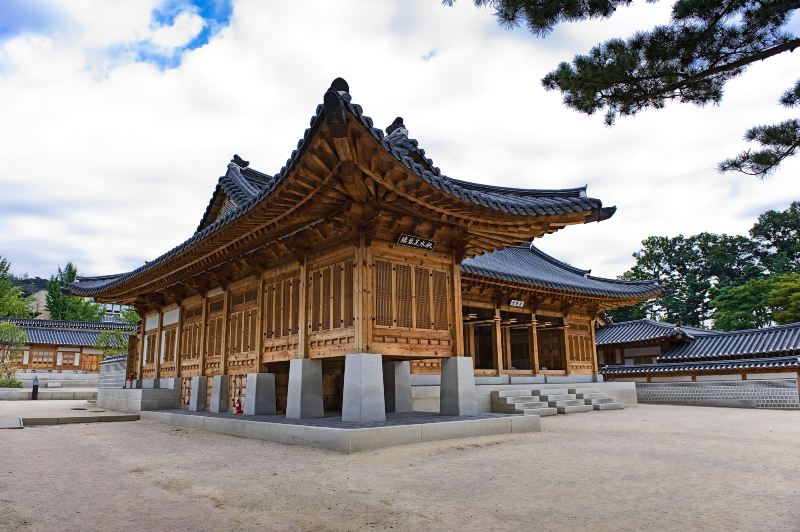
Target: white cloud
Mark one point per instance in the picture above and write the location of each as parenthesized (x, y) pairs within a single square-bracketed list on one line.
[(186, 27), (126, 161)]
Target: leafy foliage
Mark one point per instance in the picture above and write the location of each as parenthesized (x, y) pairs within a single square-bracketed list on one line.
[(9, 382), (131, 316), (112, 343), (706, 44), (734, 281), (66, 307), (12, 340), (12, 304)]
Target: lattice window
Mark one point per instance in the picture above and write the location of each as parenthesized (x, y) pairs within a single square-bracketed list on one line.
[(190, 333), (170, 338), (67, 359), (150, 342), (405, 295), (440, 298), (332, 296), (281, 300), (42, 359), (409, 297), (242, 320), (214, 330), (422, 278), (383, 293)]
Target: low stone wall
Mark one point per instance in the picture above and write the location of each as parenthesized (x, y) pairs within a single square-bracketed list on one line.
[(137, 400), (774, 393), (112, 372), (57, 380)]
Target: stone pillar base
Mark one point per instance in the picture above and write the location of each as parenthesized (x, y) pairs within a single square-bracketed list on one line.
[(259, 396), (197, 397), (363, 398), (304, 398), (457, 393), (397, 386), (219, 394)]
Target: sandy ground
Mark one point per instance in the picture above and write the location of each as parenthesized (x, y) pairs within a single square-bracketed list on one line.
[(650, 467), (54, 408)]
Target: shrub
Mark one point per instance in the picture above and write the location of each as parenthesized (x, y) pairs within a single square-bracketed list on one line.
[(9, 382)]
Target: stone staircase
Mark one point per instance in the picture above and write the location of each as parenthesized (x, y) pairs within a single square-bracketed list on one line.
[(551, 401)]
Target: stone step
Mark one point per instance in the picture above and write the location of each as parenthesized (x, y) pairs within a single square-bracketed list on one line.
[(511, 393), (567, 402), (599, 401), (544, 411), (559, 397), (569, 409), (550, 391), (517, 407), (521, 399), (584, 390), (592, 395), (609, 406)]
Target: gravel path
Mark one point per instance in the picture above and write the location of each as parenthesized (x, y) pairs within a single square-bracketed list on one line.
[(650, 467)]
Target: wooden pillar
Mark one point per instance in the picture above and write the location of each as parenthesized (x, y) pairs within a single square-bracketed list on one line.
[(567, 347), (506, 335), (458, 318), (497, 344), (302, 311), (157, 354), (534, 340), (592, 321), (140, 347), (223, 362), (362, 290), (203, 327), (178, 338), (287, 315)]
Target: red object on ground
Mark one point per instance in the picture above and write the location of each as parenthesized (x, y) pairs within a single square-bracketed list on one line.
[(238, 410)]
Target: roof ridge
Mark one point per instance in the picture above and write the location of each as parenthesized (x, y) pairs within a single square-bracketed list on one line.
[(69, 324), (580, 271), (762, 330)]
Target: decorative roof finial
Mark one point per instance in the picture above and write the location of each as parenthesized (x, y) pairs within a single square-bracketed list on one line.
[(398, 126), (239, 161), (340, 85)]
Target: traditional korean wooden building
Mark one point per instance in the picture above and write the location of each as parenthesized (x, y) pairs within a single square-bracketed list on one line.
[(64, 346), (361, 245)]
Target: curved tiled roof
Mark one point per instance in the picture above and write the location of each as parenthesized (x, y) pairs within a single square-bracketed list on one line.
[(770, 341), (532, 267), (67, 333), (337, 103), (645, 330), (776, 363)]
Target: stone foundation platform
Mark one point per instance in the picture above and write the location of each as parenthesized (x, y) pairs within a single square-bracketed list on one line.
[(333, 434)]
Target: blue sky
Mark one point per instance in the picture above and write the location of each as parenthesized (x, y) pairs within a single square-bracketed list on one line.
[(120, 117)]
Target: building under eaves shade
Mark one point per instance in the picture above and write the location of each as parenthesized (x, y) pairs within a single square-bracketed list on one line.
[(360, 245)]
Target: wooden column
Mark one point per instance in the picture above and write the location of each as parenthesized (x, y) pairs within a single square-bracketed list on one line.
[(362, 290), (140, 348), (497, 344), (534, 340), (203, 327), (594, 345), (506, 335), (259, 347), (157, 354), (458, 318), (178, 336), (223, 359), (302, 311), (567, 348)]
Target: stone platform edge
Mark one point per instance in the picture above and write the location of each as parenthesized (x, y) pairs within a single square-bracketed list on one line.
[(346, 440), (67, 420)]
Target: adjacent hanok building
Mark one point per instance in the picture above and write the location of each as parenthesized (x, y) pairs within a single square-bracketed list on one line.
[(681, 364), (359, 252), (64, 346)]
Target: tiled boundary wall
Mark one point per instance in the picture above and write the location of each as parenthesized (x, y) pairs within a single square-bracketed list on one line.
[(771, 393)]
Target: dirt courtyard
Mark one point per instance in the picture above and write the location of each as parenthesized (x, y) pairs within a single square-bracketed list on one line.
[(648, 467)]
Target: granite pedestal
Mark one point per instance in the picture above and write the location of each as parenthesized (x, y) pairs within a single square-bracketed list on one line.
[(259, 396), (219, 394), (197, 396), (457, 394), (304, 397), (362, 399), (397, 386)]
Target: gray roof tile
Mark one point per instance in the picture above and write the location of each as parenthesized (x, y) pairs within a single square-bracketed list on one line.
[(643, 370), (67, 333)]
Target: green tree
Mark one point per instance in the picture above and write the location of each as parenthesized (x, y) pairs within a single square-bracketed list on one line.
[(12, 340), (12, 304), (785, 299), (66, 307), (777, 237), (689, 268), (131, 316), (706, 44), (745, 306), (112, 343)]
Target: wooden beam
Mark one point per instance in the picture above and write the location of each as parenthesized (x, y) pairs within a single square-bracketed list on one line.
[(497, 344), (302, 311)]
